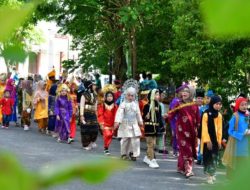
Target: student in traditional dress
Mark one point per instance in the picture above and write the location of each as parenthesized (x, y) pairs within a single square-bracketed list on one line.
[(2, 88), (128, 119), (52, 115), (188, 119), (88, 117), (7, 104), (211, 137), (27, 100), (41, 106), (106, 117), (63, 112)]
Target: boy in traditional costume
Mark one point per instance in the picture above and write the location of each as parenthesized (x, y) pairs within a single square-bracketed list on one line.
[(128, 118)]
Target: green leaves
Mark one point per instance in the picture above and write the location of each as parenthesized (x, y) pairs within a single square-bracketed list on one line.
[(12, 17), (227, 18), (13, 176)]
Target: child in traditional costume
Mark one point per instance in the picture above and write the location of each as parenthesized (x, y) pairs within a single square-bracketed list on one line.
[(211, 137), (128, 118), (10, 86), (52, 115), (73, 97), (153, 124), (88, 109), (27, 99), (41, 106), (237, 149), (188, 119), (106, 112), (63, 112), (7, 104), (2, 87)]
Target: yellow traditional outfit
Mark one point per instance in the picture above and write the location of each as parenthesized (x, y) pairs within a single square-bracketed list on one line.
[(41, 106), (49, 81)]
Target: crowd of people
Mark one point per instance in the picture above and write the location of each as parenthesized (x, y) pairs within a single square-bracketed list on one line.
[(132, 111)]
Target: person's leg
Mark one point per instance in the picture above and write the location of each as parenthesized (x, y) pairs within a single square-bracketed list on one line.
[(135, 143), (150, 147), (73, 127), (124, 146)]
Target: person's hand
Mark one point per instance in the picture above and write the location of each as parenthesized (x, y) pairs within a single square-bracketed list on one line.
[(82, 119), (209, 145), (116, 125), (219, 146), (58, 117)]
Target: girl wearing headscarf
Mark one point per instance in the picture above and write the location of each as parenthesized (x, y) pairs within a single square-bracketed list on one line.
[(153, 124), (188, 119), (10, 86), (127, 120), (211, 137), (63, 112), (88, 118), (52, 116), (73, 96), (239, 133), (41, 106), (27, 98), (106, 117)]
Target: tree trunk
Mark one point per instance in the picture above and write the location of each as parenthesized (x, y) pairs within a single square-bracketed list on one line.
[(133, 52), (120, 65)]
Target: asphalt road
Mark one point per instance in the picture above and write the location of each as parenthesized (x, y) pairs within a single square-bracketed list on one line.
[(36, 151)]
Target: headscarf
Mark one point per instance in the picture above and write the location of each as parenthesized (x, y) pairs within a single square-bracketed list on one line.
[(27, 86), (191, 91), (238, 102), (40, 93), (11, 88), (153, 103), (106, 96)]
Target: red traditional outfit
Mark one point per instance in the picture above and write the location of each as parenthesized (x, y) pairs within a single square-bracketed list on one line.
[(106, 118), (188, 119), (73, 97)]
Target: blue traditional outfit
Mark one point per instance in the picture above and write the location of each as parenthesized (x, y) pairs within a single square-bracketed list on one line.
[(52, 101)]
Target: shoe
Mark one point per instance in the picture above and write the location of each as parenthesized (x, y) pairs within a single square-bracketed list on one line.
[(124, 157), (214, 178), (106, 152), (133, 158), (93, 145), (70, 140), (59, 140), (210, 180), (3, 127), (54, 135), (89, 147), (146, 160), (189, 174), (153, 164), (163, 151), (175, 154), (26, 128)]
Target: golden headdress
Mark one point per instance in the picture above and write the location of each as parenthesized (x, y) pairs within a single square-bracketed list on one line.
[(52, 73), (109, 88)]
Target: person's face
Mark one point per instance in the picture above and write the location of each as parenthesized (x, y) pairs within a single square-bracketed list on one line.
[(94, 87), (110, 98), (185, 94), (199, 101), (7, 94), (243, 106), (208, 99), (64, 92), (130, 97), (217, 106), (157, 96)]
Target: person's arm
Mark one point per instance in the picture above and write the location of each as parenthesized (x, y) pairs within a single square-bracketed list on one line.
[(205, 135), (138, 115), (119, 115), (235, 133), (82, 105)]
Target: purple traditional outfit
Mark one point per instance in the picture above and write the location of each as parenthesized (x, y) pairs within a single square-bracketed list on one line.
[(63, 109), (10, 86), (188, 119), (173, 103)]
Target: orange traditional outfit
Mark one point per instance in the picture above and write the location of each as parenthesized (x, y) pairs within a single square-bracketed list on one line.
[(49, 81)]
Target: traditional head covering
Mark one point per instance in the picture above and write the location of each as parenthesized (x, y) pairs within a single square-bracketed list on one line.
[(191, 92), (41, 93), (238, 102), (151, 97), (130, 90), (27, 86), (52, 73), (200, 93), (184, 85), (145, 92), (63, 87), (11, 87), (210, 93)]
